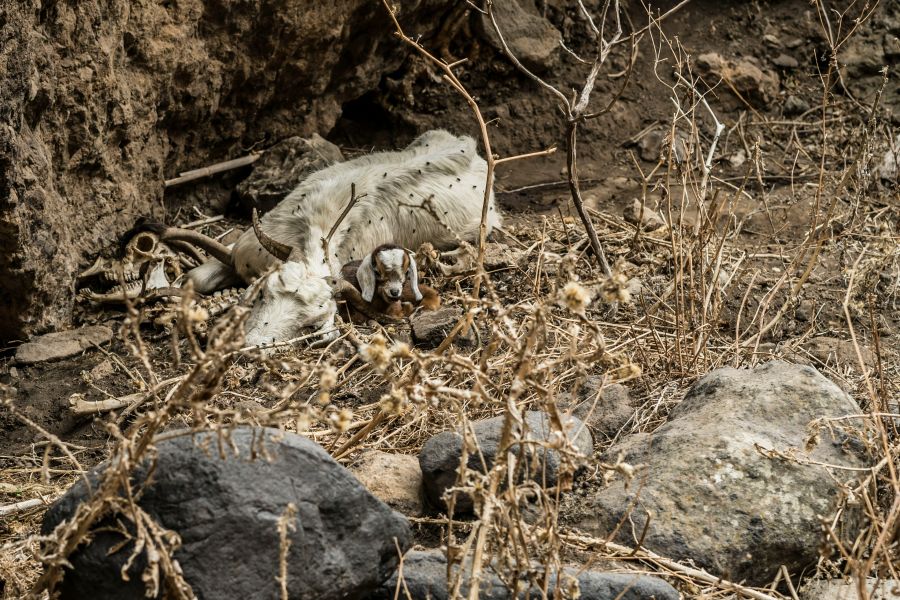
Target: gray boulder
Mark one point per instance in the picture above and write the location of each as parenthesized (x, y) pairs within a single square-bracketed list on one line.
[(425, 576), (713, 496), (440, 456), (226, 512), (283, 167)]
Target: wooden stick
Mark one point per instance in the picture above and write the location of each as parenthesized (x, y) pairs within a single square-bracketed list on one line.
[(20, 506), (81, 407), (221, 167), (326, 241), (202, 222)]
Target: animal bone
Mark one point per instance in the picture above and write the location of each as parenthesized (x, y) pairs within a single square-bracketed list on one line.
[(147, 264)]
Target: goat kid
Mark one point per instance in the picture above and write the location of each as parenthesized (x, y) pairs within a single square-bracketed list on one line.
[(386, 284), (432, 191)]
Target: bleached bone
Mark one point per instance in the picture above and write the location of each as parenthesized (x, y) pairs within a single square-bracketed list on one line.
[(437, 167)]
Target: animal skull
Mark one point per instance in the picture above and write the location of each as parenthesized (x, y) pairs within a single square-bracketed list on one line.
[(147, 264)]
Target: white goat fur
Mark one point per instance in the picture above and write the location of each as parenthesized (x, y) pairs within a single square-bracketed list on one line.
[(437, 165)]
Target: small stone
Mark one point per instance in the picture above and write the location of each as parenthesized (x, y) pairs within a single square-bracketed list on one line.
[(805, 311), (605, 408), (785, 61), (62, 344), (102, 370), (648, 218), (737, 159), (846, 589), (756, 86), (425, 578), (500, 256), (395, 479), (530, 37), (795, 106), (440, 456), (793, 43), (430, 327), (772, 40), (831, 350), (13, 373)]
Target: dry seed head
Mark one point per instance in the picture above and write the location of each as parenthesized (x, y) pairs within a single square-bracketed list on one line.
[(377, 353), (393, 403), (615, 289), (341, 419), (575, 297), (196, 314), (328, 378), (401, 350)]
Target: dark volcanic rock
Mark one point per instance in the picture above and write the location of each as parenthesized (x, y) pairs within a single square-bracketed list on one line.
[(715, 498), (226, 512), (440, 456), (283, 167), (425, 576)]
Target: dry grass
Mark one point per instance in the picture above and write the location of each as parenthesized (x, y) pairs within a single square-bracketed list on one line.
[(545, 324)]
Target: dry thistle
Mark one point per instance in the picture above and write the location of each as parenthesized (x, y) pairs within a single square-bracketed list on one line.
[(341, 419), (575, 297), (327, 380), (614, 289), (376, 353)]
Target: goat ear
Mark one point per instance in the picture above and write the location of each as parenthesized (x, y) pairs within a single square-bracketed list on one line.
[(412, 275), (365, 275)]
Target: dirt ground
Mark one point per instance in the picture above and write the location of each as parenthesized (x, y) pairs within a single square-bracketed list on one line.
[(779, 213)]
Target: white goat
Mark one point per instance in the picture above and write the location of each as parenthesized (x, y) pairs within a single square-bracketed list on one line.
[(432, 191)]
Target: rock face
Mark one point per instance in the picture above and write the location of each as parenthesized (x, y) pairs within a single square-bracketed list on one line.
[(226, 512), (714, 498), (440, 456), (101, 100), (395, 479), (62, 344), (283, 167), (425, 576)]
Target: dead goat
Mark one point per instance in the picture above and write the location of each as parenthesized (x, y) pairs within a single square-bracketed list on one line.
[(432, 191), (386, 284)]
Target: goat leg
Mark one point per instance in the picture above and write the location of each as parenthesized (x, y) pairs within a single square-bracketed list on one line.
[(345, 291)]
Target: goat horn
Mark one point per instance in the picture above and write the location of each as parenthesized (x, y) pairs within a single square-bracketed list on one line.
[(214, 248), (273, 247)]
